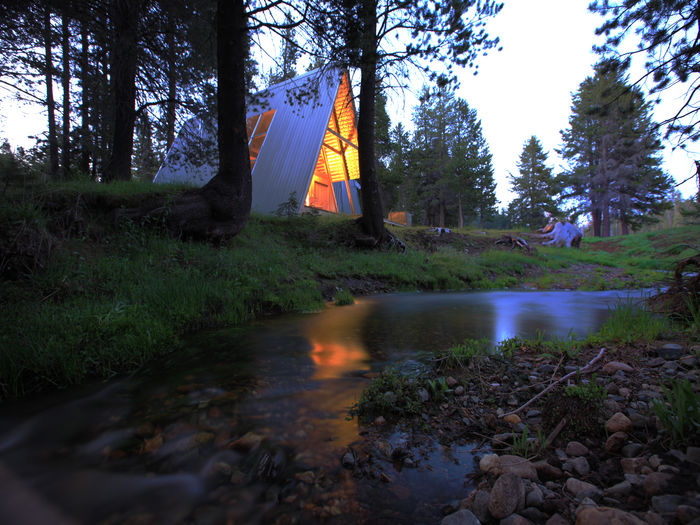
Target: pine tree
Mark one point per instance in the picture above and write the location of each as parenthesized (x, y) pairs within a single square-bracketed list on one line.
[(535, 186), (613, 151)]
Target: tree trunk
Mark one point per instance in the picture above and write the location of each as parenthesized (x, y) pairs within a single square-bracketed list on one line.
[(441, 211), (170, 111), (596, 223), (65, 81), (50, 104), (125, 18), (230, 192), (372, 209), (460, 219), (606, 220), (85, 147), (624, 227)]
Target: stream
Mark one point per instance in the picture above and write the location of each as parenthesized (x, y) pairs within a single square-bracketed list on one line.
[(248, 425)]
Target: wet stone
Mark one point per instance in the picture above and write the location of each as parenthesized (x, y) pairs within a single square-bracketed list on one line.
[(632, 450), (461, 517), (575, 448), (656, 362), (670, 351), (606, 516), (615, 442), (618, 423), (582, 489), (515, 519), (667, 504), (657, 483), (505, 495), (687, 513)]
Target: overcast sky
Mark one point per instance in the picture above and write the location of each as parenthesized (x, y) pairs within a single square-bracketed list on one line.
[(526, 88)]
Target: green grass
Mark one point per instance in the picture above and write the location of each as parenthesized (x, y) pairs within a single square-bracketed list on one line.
[(632, 322), (679, 413), (82, 298)]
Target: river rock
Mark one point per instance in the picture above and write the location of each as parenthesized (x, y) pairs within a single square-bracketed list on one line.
[(575, 448), (687, 513), (506, 494), (667, 504), (546, 471), (478, 503), (248, 442), (535, 497), (423, 394), (619, 490), (515, 519), (616, 366), (633, 465), (512, 419), (379, 421), (451, 382), (632, 450), (670, 351), (534, 514), (516, 465), (459, 390), (348, 459), (488, 463), (615, 442), (582, 489), (657, 483), (618, 423), (578, 466), (557, 519), (606, 516), (461, 517), (692, 454)]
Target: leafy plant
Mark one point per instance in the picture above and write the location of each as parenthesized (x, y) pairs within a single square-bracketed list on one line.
[(344, 298), (527, 447), (679, 412), (437, 387), (460, 355), (390, 394), (590, 391)]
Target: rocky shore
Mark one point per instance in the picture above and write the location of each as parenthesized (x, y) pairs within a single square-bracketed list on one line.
[(590, 449)]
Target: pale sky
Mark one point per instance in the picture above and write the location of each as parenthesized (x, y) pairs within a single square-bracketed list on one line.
[(526, 88), (521, 91)]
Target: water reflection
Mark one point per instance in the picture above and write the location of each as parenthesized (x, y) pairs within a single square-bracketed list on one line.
[(337, 347), (290, 380)]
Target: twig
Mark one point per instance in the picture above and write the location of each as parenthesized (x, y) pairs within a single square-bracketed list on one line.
[(583, 370), (554, 433)]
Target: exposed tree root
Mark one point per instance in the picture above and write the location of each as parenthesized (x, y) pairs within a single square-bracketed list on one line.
[(682, 298)]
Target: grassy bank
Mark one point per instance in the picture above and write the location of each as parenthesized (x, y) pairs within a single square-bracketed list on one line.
[(84, 297)]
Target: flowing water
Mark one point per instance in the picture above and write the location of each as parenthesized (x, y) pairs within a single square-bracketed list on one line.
[(160, 446)]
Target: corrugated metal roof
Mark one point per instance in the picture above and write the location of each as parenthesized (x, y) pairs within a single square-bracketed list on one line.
[(303, 110)]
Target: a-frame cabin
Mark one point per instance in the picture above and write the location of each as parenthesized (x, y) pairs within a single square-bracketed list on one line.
[(302, 138)]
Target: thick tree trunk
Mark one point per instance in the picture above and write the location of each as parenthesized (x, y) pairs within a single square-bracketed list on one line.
[(596, 223), (229, 193), (65, 81), (85, 147), (372, 209), (50, 104), (125, 18)]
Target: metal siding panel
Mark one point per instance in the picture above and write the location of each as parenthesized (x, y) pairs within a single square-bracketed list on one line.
[(288, 155)]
